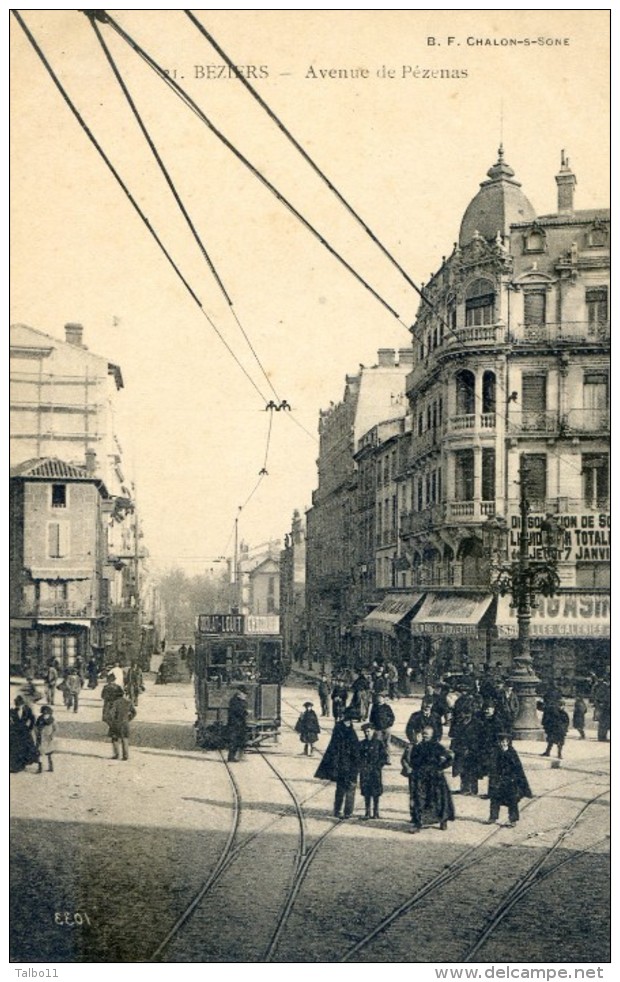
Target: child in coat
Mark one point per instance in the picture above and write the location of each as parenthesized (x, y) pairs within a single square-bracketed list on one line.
[(308, 728), (373, 758), (45, 729), (579, 716), (507, 781)]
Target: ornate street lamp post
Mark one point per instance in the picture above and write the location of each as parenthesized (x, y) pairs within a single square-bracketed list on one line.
[(524, 579)]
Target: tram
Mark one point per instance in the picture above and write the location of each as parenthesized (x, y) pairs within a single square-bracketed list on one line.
[(234, 650)]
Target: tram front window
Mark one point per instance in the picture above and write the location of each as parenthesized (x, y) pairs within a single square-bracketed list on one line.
[(271, 661)]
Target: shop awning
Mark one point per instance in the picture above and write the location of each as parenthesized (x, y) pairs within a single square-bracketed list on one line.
[(391, 612), (457, 614), (568, 615), (70, 621)]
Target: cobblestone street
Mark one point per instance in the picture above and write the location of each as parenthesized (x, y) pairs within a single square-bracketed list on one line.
[(152, 831)]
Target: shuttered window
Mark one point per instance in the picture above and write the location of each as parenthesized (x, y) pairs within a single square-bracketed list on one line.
[(536, 479), (534, 308), (534, 393), (57, 540)]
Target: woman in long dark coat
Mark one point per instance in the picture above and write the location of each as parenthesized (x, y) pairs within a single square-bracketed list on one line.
[(341, 763), (507, 781), (431, 799), (22, 749), (308, 728), (373, 758)]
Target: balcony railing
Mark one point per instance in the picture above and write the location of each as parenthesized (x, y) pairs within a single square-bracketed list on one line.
[(579, 331), (412, 522), (474, 337), (534, 421), (66, 608), (424, 442), (476, 511), (471, 421), (587, 421)]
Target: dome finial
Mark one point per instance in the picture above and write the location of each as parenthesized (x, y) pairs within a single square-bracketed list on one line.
[(500, 168)]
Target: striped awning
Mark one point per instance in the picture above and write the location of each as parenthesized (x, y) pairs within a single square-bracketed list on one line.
[(456, 614)]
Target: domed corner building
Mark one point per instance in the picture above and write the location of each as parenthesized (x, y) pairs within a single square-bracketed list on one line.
[(511, 365)]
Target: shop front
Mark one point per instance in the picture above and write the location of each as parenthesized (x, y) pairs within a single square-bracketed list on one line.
[(386, 634), (570, 636), (451, 631)]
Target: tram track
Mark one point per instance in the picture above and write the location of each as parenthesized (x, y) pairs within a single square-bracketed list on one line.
[(233, 850), (466, 860), (534, 876)]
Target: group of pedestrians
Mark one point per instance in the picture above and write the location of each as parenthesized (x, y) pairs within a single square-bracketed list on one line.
[(466, 727), (33, 738)]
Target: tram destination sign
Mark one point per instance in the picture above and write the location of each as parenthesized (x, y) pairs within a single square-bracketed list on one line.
[(238, 624)]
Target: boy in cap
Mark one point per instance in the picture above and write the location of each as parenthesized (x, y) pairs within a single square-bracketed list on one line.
[(308, 728), (373, 758), (507, 781)]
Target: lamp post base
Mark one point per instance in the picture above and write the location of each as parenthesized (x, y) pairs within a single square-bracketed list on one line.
[(527, 724)]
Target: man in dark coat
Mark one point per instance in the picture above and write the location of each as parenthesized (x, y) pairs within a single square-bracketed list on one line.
[(430, 794), (507, 781), (237, 723), (323, 690), (122, 712), (341, 763), (110, 693), (602, 704), (382, 718), (465, 746), (373, 758), (579, 716), (339, 698), (308, 728), (555, 723), (507, 707), (422, 718), (490, 729), (190, 661)]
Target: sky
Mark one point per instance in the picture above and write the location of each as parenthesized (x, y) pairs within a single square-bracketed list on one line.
[(407, 150)]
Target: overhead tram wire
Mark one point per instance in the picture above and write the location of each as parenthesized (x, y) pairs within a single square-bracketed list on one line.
[(77, 115), (315, 167), (195, 108), (91, 15), (272, 115)]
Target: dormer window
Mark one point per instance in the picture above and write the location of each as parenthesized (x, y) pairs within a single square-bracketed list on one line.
[(480, 303), (597, 235), (535, 239)]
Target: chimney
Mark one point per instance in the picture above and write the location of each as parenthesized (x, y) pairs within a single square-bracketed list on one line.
[(91, 458), (405, 356), (387, 357), (73, 334), (566, 182)]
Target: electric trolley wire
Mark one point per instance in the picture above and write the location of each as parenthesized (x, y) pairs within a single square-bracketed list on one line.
[(195, 108), (67, 99), (177, 197), (205, 33), (312, 163)]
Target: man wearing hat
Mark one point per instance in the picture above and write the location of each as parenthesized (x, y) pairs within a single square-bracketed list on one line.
[(237, 723), (341, 763), (308, 728), (110, 693), (373, 758)]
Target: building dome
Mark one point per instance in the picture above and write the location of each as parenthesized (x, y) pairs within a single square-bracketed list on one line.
[(499, 203)]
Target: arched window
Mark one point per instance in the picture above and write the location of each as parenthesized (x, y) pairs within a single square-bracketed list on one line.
[(488, 392), (465, 392), (480, 303), (475, 564)]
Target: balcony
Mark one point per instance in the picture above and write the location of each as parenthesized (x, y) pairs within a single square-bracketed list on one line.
[(65, 608), (471, 421), (412, 522), (425, 442), (482, 335), (571, 332), (536, 422), (587, 421), (470, 511)]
